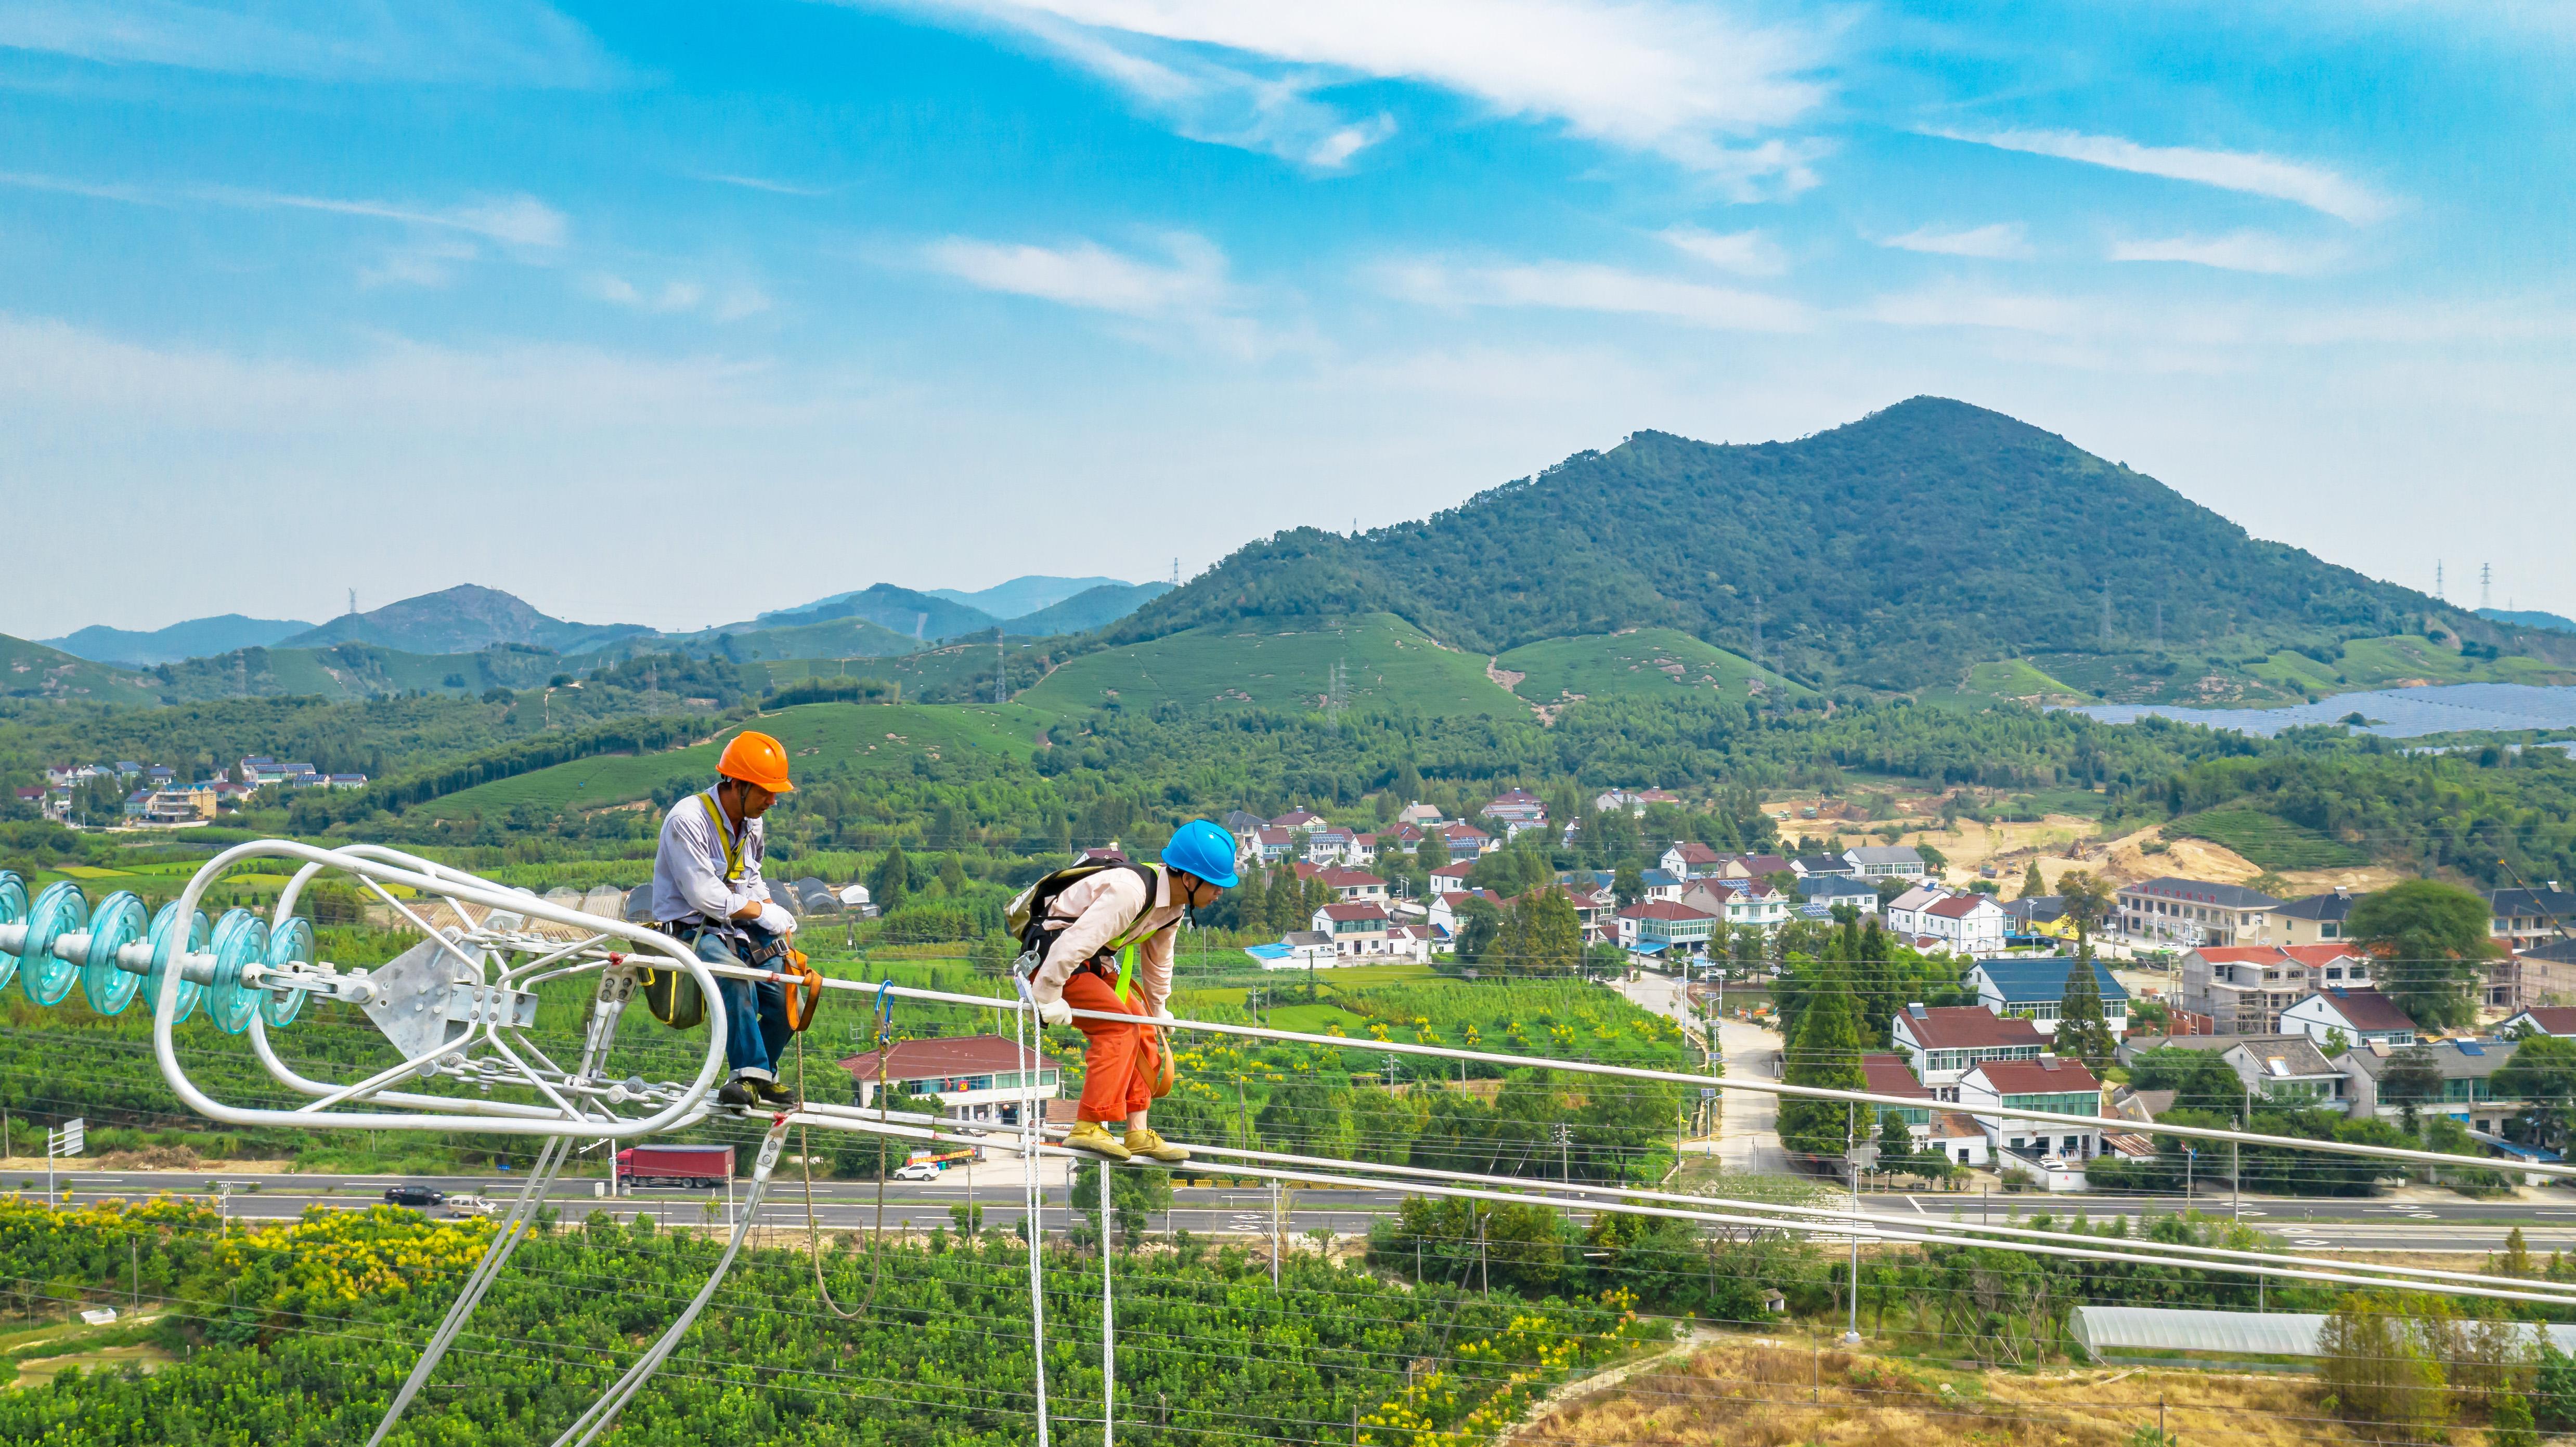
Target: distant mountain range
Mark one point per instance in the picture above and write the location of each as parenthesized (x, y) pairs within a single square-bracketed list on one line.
[(2529, 618), (196, 638), (873, 622), (1893, 552)]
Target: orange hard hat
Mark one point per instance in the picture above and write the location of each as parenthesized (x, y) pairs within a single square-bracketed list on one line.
[(756, 758)]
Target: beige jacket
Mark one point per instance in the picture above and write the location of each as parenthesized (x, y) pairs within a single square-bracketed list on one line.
[(1103, 907)]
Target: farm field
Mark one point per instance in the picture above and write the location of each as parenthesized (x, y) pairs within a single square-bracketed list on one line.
[(876, 736), (1660, 662), (1388, 661)]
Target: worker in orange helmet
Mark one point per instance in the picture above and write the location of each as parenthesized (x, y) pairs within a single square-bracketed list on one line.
[(708, 893)]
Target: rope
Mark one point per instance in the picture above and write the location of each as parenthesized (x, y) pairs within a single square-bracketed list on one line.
[(805, 1159)]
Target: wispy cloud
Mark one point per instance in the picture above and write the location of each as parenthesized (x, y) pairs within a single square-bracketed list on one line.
[(479, 42), (1746, 253), (2002, 241), (763, 183), (1680, 80), (1581, 286), (679, 297), (2250, 172), (441, 238), (2260, 252), (1191, 277)]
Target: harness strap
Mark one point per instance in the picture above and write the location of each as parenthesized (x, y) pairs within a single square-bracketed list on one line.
[(732, 844)]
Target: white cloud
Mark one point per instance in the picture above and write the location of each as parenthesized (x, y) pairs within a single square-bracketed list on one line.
[(678, 297), (1649, 75), (430, 261), (1746, 253), (2253, 173), (2256, 251), (1580, 286), (481, 42), (2002, 241), (1091, 276), (522, 221), (762, 183)]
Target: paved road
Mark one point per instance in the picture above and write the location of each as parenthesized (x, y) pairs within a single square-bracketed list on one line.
[(1748, 1134), (2362, 1225)]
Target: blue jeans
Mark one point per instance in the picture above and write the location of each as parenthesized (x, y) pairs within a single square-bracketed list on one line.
[(756, 1028)]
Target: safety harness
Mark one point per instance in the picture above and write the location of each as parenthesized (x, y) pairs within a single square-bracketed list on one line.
[(1033, 915), (673, 996)]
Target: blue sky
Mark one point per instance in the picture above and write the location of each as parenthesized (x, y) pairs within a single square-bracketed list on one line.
[(668, 314)]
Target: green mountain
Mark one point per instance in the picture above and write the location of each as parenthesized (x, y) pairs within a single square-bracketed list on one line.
[(1893, 553), (743, 643), (918, 616), (1292, 664), (34, 671), (1084, 611), (358, 671), (461, 619), (195, 638)]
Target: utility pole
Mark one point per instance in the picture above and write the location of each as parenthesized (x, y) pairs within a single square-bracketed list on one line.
[(1274, 1235), (1851, 1140)]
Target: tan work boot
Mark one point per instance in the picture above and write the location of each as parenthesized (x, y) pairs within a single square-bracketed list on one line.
[(1143, 1142), (1088, 1135)]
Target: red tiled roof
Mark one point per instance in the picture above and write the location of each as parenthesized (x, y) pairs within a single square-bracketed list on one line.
[(1694, 852), (943, 1059), (1955, 1125), (1354, 911), (2366, 1009), (1667, 909), (1960, 906), (1967, 1027), (1890, 1075), (2321, 954), (2037, 1077), (2554, 1019), (1349, 878), (1760, 864), (2239, 955)]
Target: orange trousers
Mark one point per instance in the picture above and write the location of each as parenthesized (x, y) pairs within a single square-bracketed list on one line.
[(1121, 1065)]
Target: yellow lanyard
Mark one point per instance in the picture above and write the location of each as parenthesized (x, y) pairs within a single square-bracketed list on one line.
[(731, 845), (1125, 945)]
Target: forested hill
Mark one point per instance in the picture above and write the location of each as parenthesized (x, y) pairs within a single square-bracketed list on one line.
[(1891, 552)]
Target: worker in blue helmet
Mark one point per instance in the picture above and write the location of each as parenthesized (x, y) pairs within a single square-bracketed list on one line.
[(1104, 933)]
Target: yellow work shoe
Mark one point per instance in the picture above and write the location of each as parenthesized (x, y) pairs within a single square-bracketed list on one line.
[(1141, 1142), (1087, 1135)]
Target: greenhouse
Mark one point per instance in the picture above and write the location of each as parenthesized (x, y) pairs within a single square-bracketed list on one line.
[(2101, 1330)]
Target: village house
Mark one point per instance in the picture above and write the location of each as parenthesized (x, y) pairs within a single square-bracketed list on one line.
[(2364, 1016), (1829, 890), (1742, 904), (1887, 861), (1656, 926), (974, 1077), (1353, 886), (1443, 915), (2001, 1094), (1938, 919), (2244, 988), (2316, 920), (1689, 859), (2556, 1021), (2034, 989), (2467, 1069), (2183, 913), (1942, 1042), (1883, 1074), (1633, 800)]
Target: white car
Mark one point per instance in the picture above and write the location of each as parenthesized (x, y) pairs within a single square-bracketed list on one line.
[(470, 1206), (917, 1171)]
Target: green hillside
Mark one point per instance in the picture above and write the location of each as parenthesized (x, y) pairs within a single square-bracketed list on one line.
[(1388, 662), (871, 736), (2267, 839), (828, 639), (1659, 662), (31, 670), (2011, 537), (359, 671)]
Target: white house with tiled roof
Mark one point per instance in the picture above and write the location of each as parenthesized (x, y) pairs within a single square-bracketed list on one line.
[(1943, 1042)]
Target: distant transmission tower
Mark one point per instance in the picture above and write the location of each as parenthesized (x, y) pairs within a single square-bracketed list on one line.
[(2486, 585), (2437, 581), (1176, 572), (353, 602)]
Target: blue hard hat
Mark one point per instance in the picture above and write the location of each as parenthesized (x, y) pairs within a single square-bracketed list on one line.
[(1203, 849)]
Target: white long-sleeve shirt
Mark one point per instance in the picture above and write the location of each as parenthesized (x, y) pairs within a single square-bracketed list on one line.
[(1102, 907), (689, 870)]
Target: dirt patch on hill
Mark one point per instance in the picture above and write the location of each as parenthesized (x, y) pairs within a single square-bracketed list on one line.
[(1773, 1394)]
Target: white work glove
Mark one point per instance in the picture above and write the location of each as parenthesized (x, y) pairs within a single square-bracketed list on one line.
[(1054, 1011), (775, 920)]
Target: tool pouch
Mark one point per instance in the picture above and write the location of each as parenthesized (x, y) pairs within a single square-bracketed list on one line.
[(673, 996)]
